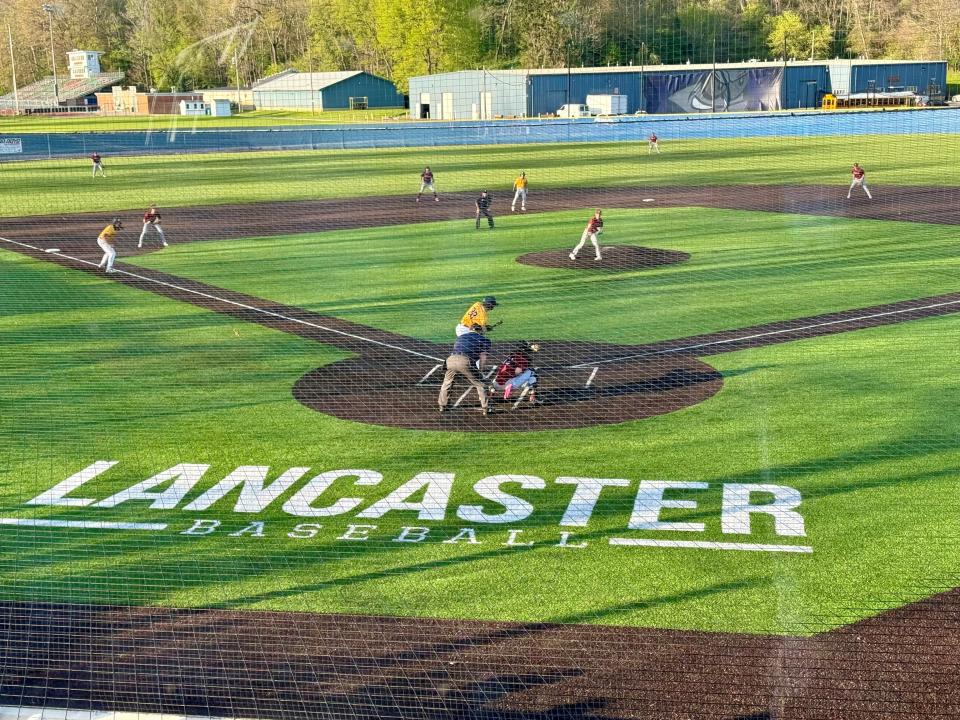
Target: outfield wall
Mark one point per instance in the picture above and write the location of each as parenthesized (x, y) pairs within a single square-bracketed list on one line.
[(621, 129)]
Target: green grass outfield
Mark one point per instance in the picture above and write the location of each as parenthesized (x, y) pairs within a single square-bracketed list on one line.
[(64, 185), (162, 123), (863, 424)]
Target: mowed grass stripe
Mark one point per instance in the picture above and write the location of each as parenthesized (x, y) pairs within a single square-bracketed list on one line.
[(64, 185)]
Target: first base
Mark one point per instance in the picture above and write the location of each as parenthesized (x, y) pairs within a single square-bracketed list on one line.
[(52, 250), (649, 200)]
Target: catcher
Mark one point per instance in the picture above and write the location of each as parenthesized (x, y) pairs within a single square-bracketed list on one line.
[(476, 314), (517, 371), (151, 219)]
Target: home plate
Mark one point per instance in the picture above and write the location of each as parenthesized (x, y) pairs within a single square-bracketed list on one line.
[(52, 250), (648, 200)]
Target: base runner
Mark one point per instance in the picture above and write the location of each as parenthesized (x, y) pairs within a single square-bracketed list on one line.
[(593, 229), (105, 241), (858, 179)]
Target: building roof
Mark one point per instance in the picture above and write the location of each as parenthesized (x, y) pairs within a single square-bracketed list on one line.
[(292, 80), (526, 72), (40, 95)]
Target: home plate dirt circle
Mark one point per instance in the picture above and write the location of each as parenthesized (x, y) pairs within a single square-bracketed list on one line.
[(616, 258), (388, 391)]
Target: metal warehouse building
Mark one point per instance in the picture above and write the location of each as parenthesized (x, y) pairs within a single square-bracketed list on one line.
[(357, 90), (734, 87)]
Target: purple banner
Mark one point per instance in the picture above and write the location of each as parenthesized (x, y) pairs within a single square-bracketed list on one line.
[(709, 91)]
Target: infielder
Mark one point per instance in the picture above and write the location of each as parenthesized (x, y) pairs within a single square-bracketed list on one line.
[(105, 241), (476, 314), (859, 179), (468, 358), (520, 193), (652, 144), (151, 218), (97, 165), (426, 183), (516, 371), (593, 229), (483, 208)]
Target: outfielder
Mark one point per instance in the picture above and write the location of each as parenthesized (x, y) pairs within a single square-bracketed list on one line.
[(859, 178), (476, 314), (97, 165), (593, 229), (483, 208), (520, 193), (105, 241), (468, 358), (426, 183), (652, 144), (151, 218)]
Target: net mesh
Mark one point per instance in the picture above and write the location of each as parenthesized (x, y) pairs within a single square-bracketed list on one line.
[(484, 360)]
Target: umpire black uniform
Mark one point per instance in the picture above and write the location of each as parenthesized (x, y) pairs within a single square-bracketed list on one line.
[(483, 208)]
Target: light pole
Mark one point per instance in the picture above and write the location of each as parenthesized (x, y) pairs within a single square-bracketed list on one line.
[(51, 10)]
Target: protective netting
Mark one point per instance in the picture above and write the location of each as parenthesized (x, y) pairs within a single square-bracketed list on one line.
[(488, 360)]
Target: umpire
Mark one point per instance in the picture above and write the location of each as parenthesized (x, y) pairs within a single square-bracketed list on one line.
[(469, 354), (483, 208)]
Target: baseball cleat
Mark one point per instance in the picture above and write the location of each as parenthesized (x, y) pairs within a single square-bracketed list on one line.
[(436, 199), (165, 244), (572, 256), (442, 409), (508, 392), (486, 411)]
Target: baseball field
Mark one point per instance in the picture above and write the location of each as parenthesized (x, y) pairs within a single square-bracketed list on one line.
[(742, 473)]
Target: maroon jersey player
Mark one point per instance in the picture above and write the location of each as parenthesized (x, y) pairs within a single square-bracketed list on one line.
[(151, 219), (593, 229), (426, 183), (652, 144), (97, 165), (858, 178)]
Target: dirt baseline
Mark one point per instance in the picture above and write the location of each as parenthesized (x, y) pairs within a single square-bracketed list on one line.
[(616, 258)]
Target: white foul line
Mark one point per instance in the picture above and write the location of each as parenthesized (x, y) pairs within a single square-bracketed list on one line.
[(9, 712), (82, 524), (782, 331), (592, 376), (705, 545), (238, 304), (432, 371)]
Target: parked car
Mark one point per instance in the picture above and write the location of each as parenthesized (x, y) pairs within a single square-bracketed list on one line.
[(573, 111)]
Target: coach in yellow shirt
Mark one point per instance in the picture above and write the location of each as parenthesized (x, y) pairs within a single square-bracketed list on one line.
[(476, 314), (105, 241), (520, 192)]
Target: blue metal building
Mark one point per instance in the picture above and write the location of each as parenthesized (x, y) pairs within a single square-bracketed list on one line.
[(292, 90), (726, 87)]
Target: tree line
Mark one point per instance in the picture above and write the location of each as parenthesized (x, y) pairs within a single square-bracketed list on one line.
[(190, 44)]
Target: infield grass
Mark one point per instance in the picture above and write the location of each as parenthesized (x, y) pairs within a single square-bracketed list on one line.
[(863, 424), (64, 186), (746, 268)]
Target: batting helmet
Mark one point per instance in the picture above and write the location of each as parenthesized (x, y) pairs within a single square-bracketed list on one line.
[(489, 302), (117, 224)]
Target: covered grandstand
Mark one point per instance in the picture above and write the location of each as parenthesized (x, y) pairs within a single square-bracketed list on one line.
[(65, 95)]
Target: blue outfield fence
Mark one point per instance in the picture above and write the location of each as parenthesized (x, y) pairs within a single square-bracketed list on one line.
[(619, 129)]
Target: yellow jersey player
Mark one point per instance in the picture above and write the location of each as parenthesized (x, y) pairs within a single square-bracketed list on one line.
[(105, 241), (476, 314), (520, 193)]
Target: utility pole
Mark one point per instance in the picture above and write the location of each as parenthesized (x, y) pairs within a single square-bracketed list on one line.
[(643, 60), (236, 72), (13, 71), (713, 80), (51, 10)]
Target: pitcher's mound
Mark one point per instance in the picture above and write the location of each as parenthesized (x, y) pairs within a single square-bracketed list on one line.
[(616, 258)]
